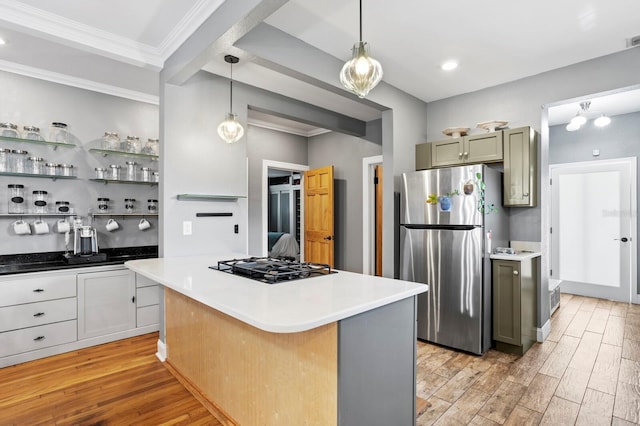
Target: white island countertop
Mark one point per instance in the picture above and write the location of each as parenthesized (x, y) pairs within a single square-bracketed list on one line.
[(519, 256), (286, 307)]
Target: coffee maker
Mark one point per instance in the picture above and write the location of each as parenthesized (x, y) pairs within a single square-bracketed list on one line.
[(85, 245)]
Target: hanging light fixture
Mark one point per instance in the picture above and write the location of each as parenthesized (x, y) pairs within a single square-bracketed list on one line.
[(362, 73), (602, 121), (230, 130), (580, 119)]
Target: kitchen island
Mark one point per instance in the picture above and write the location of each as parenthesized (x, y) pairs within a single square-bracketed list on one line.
[(337, 349)]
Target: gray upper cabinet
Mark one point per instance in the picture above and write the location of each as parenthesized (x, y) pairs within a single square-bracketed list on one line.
[(520, 167), (423, 156), (482, 148)]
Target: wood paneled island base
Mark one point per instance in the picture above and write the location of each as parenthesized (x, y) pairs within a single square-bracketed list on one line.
[(252, 376)]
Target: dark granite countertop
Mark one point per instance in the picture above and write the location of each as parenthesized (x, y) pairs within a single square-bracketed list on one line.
[(49, 261)]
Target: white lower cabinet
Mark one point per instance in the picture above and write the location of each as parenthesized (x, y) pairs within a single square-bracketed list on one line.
[(32, 338), (106, 303), (39, 313), (148, 295)]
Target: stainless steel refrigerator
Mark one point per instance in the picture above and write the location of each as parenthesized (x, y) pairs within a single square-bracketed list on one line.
[(450, 220)]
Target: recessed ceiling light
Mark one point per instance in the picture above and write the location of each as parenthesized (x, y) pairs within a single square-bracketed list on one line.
[(2, 41), (449, 65)]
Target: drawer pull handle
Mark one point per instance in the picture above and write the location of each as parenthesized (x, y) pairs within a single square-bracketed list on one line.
[(38, 290), (39, 314), (39, 338), (516, 273)]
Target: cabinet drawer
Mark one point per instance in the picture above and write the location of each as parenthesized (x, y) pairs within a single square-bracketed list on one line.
[(142, 281), (36, 289), (148, 315), (39, 313), (146, 296), (29, 339)]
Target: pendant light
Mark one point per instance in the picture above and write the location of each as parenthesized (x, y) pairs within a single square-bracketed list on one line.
[(230, 130), (362, 73)]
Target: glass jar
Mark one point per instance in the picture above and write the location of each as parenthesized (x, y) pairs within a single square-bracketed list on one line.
[(35, 165), (131, 144), (40, 201), (65, 170), (152, 206), (9, 130), (131, 170), (50, 169), (155, 177), (19, 161), (31, 133), (59, 133), (5, 155), (145, 174), (103, 205), (101, 172), (111, 141), (114, 172), (62, 207), (16, 198), (129, 204), (152, 147)]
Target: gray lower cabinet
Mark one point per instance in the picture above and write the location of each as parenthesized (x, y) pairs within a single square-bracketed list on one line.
[(106, 302), (48, 313), (520, 168), (514, 304)]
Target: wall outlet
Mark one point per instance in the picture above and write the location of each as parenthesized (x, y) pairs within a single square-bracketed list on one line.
[(186, 228)]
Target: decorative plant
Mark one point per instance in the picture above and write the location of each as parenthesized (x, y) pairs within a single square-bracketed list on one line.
[(433, 198), (482, 207)]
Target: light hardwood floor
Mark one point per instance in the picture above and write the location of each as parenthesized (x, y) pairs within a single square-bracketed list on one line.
[(119, 383), (586, 373)]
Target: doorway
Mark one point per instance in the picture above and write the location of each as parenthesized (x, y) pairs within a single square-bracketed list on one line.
[(593, 228), (370, 257), (282, 205)]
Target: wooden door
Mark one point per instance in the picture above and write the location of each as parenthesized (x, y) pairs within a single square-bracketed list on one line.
[(378, 203), (318, 215), (506, 302)]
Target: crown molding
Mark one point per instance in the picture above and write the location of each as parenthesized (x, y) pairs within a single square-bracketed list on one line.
[(80, 83), (189, 23), (286, 129), (70, 32)]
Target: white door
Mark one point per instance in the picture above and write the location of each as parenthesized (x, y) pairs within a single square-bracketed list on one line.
[(593, 234)]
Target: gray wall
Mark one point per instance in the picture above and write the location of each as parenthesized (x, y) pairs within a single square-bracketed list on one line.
[(620, 139), (520, 102), (345, 153), (265, 144), (29, 101)]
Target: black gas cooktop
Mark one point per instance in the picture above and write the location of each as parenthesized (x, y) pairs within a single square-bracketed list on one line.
[(272, 270)]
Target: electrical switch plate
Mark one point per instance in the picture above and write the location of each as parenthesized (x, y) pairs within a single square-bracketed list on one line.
[(596, 152), (186, 228)]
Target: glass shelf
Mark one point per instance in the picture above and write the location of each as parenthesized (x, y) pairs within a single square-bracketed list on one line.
[(53, 144), (14, 215), (209, 197), (106, 152), (135, 182), (123, 214), (54, 177)]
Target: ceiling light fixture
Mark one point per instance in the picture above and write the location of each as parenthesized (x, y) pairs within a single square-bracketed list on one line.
[(362, 73), (449, 66), (230, 130), (2, 41), (580, 119), (602, 121)]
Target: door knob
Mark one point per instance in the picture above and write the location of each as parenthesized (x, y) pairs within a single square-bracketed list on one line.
[(329, 238), (459, 155), (623, 239)]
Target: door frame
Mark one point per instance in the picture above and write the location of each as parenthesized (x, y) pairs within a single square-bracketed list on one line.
[(631, 162), (368, 213), (280, 165)]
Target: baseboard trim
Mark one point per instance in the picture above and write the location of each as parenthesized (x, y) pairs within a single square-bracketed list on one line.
[(162, 351), (543, 333)]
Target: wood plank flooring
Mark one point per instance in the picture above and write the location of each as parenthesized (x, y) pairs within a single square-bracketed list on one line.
[(586, 373), (119, 383)]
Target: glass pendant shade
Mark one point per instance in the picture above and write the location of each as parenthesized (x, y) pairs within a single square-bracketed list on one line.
[(602, 121), (572, 127), (230, 130), (362, 73)]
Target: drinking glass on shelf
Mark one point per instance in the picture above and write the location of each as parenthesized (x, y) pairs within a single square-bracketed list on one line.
[(59, 132)]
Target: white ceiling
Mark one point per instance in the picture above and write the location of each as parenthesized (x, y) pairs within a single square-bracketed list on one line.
[(494, 42)]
